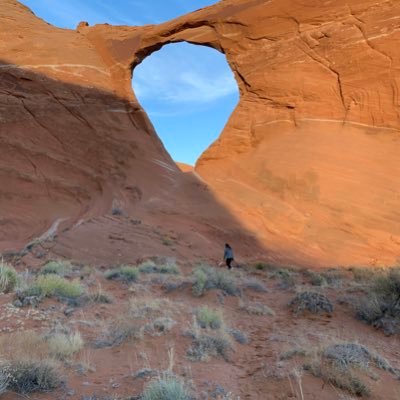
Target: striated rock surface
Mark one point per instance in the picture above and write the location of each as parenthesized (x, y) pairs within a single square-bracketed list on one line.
[(308, 161)]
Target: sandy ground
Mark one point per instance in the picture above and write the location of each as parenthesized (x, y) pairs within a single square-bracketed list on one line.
[(253, 370)]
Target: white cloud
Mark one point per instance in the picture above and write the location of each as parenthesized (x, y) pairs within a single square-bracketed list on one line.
[(184, 74)]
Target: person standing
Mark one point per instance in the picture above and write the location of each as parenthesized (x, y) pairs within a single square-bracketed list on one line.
[(228, 255)]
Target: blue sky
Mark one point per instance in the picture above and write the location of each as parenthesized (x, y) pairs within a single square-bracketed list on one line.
[(188, 91)]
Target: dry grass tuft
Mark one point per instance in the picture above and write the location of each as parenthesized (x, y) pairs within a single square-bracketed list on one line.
[(64, 345), (119, 331), (9, 278), (255, 308)]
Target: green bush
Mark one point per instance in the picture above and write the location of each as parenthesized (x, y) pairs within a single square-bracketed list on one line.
[(32, 376), (54, 285), (207, 345), (56, 268), (206, 278), (199, 282), (124, 273), (149, 267), (166, 387), (9, 278), (209, 318)]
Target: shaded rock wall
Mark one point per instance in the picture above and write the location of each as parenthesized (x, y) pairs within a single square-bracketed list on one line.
[(308, 160)]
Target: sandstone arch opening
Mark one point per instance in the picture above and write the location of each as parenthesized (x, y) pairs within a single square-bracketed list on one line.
[(188, 92)]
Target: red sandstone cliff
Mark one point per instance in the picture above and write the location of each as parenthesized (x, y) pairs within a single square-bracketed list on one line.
[(308, 160)]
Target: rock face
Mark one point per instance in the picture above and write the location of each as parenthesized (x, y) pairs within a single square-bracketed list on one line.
[(308, 160)]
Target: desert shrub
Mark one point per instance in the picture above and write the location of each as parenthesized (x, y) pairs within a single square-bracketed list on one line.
[(56, 267), (4, 379), (313, 302), (54, 285), (32, 376), (117, 211), (256, 308), (150, 267), (333, 277), (381, 305), (220, 393), (209, 318), (166, 387), (205, 345), (254, 284), (263, 266), (206, 278), (330, 277), (317, 279), (370, 308), (160, 326), (199, 282), (336, 364), (342, 379), (286, 277), (119, 331), (148, 307), (295, 352), (175, 283), (99, 296), (365, 274), (9, 278), (388, 286), (240, 336), (124, 273), (346, 355), (62, 345)]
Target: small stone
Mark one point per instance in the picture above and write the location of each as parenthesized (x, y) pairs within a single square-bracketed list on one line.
[(69, 311)]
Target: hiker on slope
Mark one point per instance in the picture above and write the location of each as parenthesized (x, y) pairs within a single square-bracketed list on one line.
[(228, 255)]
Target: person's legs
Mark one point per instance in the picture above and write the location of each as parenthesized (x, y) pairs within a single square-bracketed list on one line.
[(228, 262)]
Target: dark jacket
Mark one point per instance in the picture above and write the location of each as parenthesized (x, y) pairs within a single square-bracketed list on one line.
[(228, 253)]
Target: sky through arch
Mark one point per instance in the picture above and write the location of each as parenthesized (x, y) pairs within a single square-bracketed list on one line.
[(189, 93)]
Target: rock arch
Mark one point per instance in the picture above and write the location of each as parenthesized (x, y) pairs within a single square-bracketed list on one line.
[(317, 126)]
